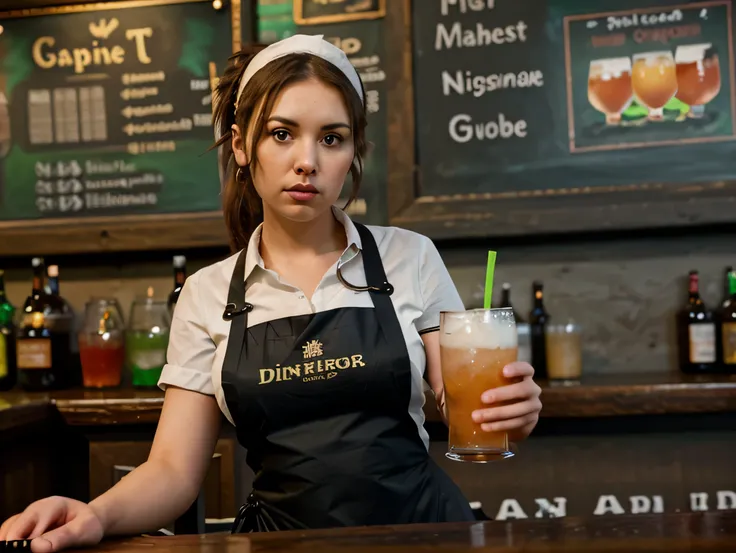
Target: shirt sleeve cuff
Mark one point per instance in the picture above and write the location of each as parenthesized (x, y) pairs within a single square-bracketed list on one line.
[(189, 379)]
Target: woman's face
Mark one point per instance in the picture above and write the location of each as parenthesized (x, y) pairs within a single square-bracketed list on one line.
[(306, 153)]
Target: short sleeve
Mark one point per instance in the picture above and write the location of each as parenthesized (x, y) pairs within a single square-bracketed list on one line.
[(438, 291), (191, 350)]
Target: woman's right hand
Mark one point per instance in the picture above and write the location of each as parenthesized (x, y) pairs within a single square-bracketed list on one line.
[(54, 523)]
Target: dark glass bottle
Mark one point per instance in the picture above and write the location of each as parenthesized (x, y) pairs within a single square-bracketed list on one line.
[(506, 302), (696, 332), (727, 320), (538, 319), (8, 366), (180, 275), (61, 319), (43, 353)]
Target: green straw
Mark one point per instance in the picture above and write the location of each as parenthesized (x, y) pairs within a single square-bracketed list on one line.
[(490, 269)]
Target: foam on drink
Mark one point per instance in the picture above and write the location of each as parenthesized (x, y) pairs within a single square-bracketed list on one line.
[(479, 329)]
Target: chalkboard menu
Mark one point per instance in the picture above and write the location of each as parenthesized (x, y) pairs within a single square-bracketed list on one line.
[(106, 109), (363, 42), (310, 12), (561, 96)]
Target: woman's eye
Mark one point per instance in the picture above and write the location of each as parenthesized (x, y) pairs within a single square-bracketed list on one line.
[(280, 135), (332, 139)]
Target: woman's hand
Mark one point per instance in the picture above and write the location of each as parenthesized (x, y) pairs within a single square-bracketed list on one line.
[(517, 405), (53, 524)]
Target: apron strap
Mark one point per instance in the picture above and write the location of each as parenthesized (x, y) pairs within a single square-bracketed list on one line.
[(376, 276), (236, 311)]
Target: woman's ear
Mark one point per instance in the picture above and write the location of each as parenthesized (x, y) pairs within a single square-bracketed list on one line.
[(238, 147)]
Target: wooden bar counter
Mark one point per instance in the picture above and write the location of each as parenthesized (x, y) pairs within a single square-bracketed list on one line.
[(610, 445), (675, 533)]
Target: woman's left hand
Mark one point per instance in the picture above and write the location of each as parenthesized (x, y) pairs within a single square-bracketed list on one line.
[(519, 413)]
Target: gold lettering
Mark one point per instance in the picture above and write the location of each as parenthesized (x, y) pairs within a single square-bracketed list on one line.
[(44, 60), (309, 368), (320, 366), (140, 35), (357, 361), (65, 58), (82, 58), (342, 363), (78, 58), (278, 374), (329, 364), (292, 371), (264, 374), (331, 375)]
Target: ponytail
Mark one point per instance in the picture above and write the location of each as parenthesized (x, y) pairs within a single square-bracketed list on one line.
[(242, 207)]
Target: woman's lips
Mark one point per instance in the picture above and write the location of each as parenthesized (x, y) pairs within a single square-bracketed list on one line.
[(302, 192)]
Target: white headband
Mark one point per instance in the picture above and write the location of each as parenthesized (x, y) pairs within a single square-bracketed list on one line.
[(298, 44)]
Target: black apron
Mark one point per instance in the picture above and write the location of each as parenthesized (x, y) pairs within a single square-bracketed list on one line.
[(321, 403)]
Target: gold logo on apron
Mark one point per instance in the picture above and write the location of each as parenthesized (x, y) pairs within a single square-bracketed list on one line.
[(321, 369)]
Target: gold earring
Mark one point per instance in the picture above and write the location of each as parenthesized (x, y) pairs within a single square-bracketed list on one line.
[(239, 174)]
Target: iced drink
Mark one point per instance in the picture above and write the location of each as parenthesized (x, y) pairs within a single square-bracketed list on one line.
[(475, 346)]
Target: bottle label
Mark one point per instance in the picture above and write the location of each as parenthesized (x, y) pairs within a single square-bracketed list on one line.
[(729, 343), (702, 343), (3, 357), (34, 354)]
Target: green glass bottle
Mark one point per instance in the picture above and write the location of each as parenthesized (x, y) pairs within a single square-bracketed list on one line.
[(8, 363)]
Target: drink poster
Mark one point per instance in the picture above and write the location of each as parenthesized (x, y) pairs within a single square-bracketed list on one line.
[(105, 109), (650, 76)]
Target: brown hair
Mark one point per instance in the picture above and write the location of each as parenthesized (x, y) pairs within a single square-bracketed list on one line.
[(242, 207)]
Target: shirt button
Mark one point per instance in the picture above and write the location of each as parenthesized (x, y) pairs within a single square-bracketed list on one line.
[(301, 296)]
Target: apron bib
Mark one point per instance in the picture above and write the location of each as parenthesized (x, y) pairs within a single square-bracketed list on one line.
[(321, 403)]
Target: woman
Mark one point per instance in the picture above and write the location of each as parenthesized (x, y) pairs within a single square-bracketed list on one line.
[(321, 375)]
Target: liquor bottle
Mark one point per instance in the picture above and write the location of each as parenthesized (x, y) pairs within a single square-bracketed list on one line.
[(538, 319), (728, 326), (506, 302), (61, 318), (8, 366), (726, 285), (696, 332), (180, 275), (42, 347)]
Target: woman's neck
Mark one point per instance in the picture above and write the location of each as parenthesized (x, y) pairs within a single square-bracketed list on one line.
[(282, 237)]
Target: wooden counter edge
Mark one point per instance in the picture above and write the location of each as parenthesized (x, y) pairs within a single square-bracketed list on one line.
[(131, 407)]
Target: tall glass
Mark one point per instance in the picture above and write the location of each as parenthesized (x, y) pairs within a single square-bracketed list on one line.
[(609, 87), (564, 353), (475, 346), (698, 76), (654, 80), (102, 344)]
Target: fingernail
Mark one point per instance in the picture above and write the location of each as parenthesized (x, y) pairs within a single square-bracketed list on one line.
[(487, 398), (487, 427), (507, 371), (476, 416)]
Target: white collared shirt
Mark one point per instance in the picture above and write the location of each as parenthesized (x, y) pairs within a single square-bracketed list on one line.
[(422, 288)]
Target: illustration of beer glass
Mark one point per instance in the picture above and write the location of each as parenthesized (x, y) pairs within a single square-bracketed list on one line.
[(654, 79), (698, 76), (475, 346), (609, 87)]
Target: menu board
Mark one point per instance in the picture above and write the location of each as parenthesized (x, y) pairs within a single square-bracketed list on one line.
[(107, 110), (311, 12), (363, 42), (564, 96)]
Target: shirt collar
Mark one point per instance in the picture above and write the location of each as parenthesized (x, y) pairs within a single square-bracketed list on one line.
[(253, 257)]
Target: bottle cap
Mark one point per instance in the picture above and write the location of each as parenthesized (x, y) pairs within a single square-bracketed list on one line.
[(53, 271), (179, 261)]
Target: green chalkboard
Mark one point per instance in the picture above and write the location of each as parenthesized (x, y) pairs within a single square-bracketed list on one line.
[(106, 110), (364, 43), (514, 96)]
